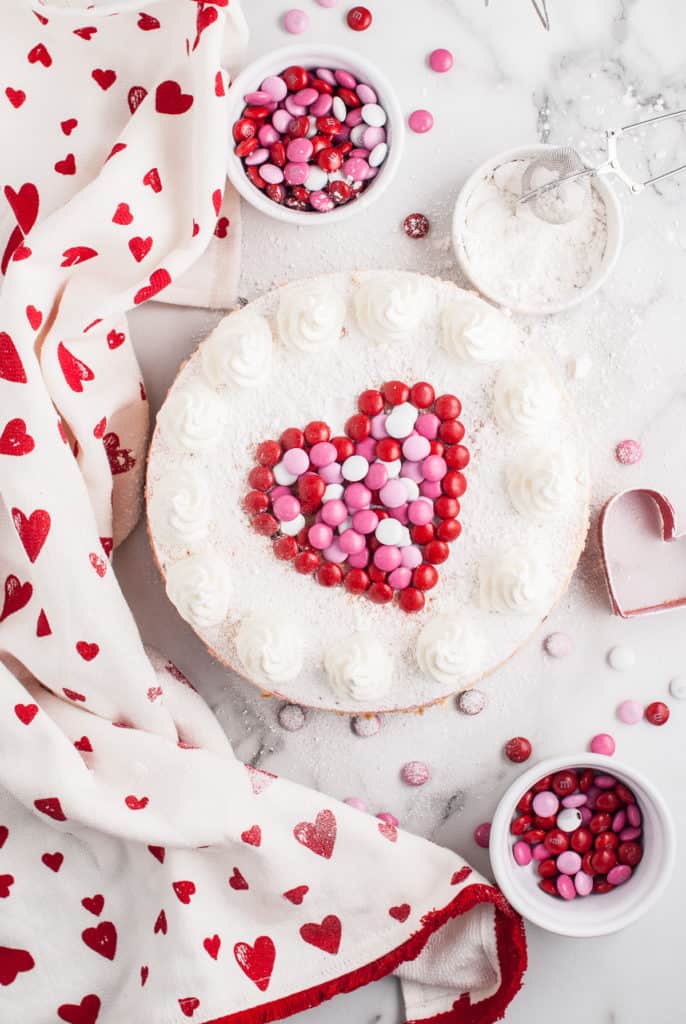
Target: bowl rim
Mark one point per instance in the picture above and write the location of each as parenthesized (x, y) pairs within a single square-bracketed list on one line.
[(499, 849), (613, 248), (265, 64)]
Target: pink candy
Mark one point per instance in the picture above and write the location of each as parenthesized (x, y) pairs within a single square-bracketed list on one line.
[(296, 461), (401, 577), (275, 87), (545, 804), (415, 773), (296, 21), (320, 536), (393, 494), (565, 887), (352, 542), (603, 743), (421, 121), (522, 853), (569, 862), (322, 454), (357, 496), (286, 508), (440, 60), (334, 512), (377, 476), (420, 512), (628, 452), (434, 468), (387, 558), (630, 712), (416, 448)]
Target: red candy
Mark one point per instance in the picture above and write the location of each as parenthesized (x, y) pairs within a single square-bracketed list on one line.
[(244, 129), (518, 749), (411, 599), (306, 562), (285, 548), (657, 713), (564, 783), (265, 524), (268, 453), (292, 438), (395, 392), (422, 395), (424, 577), (359, 18), (358, 427), (447, 407), (388, 449), (416, 225), (261, 478), (371, 403), (356, 581), (295, 77), (256, 501), (329, 575)]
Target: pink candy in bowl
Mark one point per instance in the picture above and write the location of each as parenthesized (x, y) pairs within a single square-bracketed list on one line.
[(314, 130)]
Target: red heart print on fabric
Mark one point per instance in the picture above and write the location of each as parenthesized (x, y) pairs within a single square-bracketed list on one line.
[(147, 23), (17, 596), (85, 1012), (140, 247), (217, 200), (145, 971), (158, 853), (388, 831), (11, 366), (99, 429), (34, 317), (107, 544), (50, 806), (39, 55), (26, 712), (4, 832), (86, 650), (66, 166), (41, 18), (318, 835), (69, 125), (152, 179), (206, 16), (98, 563), (222, 227), (296, 895), (115, 339), (84, 745), (259, 779), (170, 99), (219, 88), (42, 625), (94, 904), (15, 440), (237, 881), (154, 692), (160, 923), (184, 891), (121, 459), (102, 939), (22, 252), (86, 33), (105, 77), (118, 147), (16, 96), (93, 323), (257, 961), (325, 936), (136, 96), (122, 215), (25, 204), (14, 962), (73, 694), (252, 836), (32, 529), (6, 882), (189, 1004), (136, 803), (77, 254), (212, 945), (53, 861), (158, 280), (461, 875), (401, 912)]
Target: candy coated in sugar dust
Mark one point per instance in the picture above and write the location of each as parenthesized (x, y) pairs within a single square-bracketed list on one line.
[(415, 773), (472, 702), (440, 60), (365, 725), (603, 743), (628, 452), (291, 717), (558, 645), (296, 21), (630, 712)]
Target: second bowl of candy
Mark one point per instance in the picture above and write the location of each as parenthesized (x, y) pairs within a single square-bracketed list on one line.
[(315, 134), (582, 845)]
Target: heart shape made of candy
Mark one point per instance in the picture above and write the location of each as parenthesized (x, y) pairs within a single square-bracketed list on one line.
[(375, 508)]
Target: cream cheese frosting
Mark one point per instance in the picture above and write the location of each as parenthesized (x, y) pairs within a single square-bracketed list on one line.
[(390, 308), (525, 397), (200, 589), (450, 649), (193, 419), (359, 667), (180, 507), (474, 332), (514, 581), (311, 316), (238, 353), (271, 649)]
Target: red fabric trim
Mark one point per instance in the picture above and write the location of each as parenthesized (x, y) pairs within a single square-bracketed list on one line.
[(512, 957)]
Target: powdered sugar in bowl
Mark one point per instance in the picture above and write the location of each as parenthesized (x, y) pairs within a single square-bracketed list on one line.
[(522, 262), (340, 162)]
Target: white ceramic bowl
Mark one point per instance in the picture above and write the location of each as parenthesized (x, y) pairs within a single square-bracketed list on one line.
[(594, 914), (316, 56), (615, 234)]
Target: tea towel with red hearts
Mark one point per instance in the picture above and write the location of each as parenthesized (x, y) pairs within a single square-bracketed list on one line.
[(145, 873)]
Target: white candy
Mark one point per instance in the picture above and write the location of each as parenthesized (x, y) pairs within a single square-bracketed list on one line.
[(677, 687), (345, 525), (339, 109), (378, 155), (621, 658), (355, 467), (373, 114), (405, 539), (295, 526), (357, 134), (401, 420), (316, 179), (282, 476), (392, 468), (312, 130), (332, 492), (389, 531), (569, 819), (411, 488)]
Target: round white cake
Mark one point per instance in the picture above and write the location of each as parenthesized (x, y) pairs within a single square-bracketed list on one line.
[(304, 353)]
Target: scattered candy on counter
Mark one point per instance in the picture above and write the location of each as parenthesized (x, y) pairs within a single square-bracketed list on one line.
[(312, 139), (440, 60), (296, 21), (628, 452), (603, 743), (365, 725), (416, 225), (630, 712), (677, 687), (374, 510), (327, 3), (421, 121), (415, 773), (482, 834), (353, 801), (518, 749), (388, 818), (291, 717), (621, 658), (359, 18), (472, 702), (657, 713), (558, 645), (581, 830)]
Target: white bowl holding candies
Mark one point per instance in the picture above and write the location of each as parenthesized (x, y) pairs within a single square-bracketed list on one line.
[(607, 849), (314, 131)]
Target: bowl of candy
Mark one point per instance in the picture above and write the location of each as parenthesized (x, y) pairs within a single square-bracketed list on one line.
[(582, 845), (316, 134)]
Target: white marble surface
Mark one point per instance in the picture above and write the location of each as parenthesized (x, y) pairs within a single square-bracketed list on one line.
[(602, 64)]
